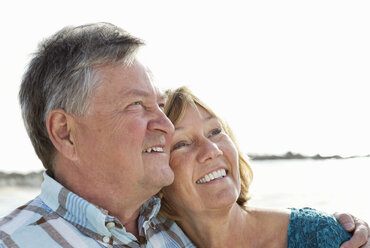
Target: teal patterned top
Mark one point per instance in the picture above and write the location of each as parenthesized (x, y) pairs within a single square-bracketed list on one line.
[(309, 228)]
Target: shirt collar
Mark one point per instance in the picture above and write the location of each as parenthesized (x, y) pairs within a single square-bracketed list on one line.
[(86, 215)]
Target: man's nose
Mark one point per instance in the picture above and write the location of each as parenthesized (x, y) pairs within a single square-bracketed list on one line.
[(161, 123)]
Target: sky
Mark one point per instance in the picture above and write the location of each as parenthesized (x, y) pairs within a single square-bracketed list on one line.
[(286, 75)]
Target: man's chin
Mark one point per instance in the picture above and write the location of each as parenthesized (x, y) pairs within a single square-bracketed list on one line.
[(167, 176), (164, 178), (159, 173)]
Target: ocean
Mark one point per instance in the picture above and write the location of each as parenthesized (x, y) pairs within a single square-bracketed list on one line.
[(328, 185)]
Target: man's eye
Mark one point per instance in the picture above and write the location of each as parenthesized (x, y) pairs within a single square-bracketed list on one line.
[(138, 103), (215, 131), (161, 106)]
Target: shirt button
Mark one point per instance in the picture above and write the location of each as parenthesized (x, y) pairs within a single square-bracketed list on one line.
[(110, 225), (106, 239), (152, 225)]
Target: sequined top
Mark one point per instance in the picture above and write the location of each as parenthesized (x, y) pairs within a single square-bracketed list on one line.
[(309, 228)]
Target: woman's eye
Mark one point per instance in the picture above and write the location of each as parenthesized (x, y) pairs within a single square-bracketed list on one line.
[(215, 131), (178, 145)]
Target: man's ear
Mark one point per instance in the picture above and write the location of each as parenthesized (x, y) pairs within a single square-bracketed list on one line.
[(58, 124)]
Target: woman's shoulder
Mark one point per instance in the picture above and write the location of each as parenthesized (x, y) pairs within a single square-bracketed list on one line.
[(270, 216), (269, 226), (311, 228)]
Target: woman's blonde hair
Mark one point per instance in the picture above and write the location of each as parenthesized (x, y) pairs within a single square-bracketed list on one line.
[(177, 102)]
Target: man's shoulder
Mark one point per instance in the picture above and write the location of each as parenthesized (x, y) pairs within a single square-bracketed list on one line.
[(24, 223), (24, 215), (36, 225)]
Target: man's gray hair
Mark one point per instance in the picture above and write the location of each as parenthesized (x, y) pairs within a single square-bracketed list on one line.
[(62, 75)]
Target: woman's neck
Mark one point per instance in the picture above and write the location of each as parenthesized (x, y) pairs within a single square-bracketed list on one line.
[(217, 228)]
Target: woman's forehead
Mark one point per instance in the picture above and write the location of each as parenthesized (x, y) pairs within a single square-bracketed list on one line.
[(193, 112)]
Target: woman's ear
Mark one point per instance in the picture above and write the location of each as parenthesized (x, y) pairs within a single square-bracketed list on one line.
[(58, 124)]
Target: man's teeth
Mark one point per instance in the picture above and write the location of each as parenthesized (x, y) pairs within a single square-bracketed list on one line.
[(154, 149), (212, 176)]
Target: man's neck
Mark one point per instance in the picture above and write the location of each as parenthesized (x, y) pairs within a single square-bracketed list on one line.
[(129, 222), (132, 227), (124, 207)]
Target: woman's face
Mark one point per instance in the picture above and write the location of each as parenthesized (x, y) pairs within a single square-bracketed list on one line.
[(205, 162)]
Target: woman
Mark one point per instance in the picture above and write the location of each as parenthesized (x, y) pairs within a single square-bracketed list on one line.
[(209, 195)]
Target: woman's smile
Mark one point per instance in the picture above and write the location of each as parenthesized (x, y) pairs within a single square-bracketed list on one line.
[(212, 176)]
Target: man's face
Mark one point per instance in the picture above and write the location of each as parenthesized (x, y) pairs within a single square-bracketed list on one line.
[(123, 140)]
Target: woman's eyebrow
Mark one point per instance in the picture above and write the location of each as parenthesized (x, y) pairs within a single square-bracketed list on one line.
[(208, 118), (179, 128)]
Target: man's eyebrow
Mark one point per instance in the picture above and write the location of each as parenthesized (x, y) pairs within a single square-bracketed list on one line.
[(162, 97), (143, 93), (136, 92)]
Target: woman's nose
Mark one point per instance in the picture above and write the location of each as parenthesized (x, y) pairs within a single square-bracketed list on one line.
[(208, 150)]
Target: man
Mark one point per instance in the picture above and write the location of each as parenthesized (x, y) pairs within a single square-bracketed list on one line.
[(95, 120)]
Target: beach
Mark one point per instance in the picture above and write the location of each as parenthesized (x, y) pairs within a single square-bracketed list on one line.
[(12, 197)]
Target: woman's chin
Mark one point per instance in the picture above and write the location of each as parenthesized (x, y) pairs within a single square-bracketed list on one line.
[(224, 199)]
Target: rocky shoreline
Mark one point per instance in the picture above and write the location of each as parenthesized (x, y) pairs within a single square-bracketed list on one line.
[(34, 179), (291, 155)]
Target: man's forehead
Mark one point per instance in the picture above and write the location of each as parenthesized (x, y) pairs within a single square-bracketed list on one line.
[(161, 94), (133, 80)]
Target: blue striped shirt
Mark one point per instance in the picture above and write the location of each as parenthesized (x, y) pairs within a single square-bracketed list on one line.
[(60, 218)]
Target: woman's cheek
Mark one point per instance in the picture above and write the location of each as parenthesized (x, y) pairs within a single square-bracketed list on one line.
[(230, 147), (176, 161)]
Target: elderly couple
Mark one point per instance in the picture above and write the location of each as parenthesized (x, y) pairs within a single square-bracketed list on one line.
[(120, 173)]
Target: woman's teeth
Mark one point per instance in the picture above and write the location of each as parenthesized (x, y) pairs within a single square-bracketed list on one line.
[(212, 176)]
